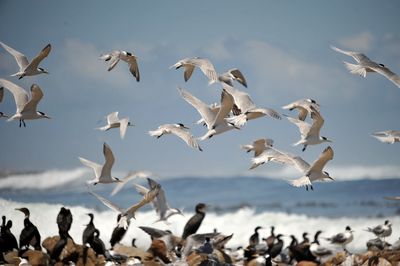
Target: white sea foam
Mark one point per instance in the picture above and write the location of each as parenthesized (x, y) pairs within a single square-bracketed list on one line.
[(241, 223), (44, 180)]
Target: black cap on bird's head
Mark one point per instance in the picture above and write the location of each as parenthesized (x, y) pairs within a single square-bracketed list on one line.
[(43, 115), (181, 125), (382, 65), (387, 222), (24, 210), (348, 228)]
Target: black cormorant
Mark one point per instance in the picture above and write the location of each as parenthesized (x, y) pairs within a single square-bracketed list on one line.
[(254, 238), (64, 222), (30, 234), (194, 223)]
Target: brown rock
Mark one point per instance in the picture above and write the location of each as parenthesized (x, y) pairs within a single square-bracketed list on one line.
[(306, 263), (36, 257), (129, 251)]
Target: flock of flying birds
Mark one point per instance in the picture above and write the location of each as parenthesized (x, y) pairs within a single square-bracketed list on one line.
[(234, 110)]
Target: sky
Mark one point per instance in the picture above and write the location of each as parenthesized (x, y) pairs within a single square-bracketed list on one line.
[(282, 48)]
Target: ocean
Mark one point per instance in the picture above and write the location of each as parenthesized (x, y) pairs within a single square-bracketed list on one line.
[(235, 205)]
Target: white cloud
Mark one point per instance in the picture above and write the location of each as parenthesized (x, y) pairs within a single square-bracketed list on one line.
[(83, 59), (362, 41), (279, 73), (217, 50)]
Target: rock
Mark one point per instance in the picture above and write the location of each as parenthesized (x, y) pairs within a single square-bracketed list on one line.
[(36, 257), (306, 263), (129, 251), (339, 258)]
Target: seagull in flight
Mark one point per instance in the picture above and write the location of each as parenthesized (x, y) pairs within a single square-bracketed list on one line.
[(26, 68), (102, 172), (204, 64), (1, 99), (271, 154), (314, 172), (130, 176), (117, 55), (310, 134), (215, 121), (303, 106), (244, 108), (26, 109), (367, 65), (160, 203), (179, 130), (127, 214), (114, 122), (231, 75), (258, 146), (388, 136)]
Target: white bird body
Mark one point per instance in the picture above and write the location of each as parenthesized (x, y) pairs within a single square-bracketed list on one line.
[(128, 214), (129, 58), (303, 106), (27, 68), (231, 75), (216, 122), (318, 251), (314, 172), (114, 122), (26, 109), (179, 130), (204, 64), (367, 65), (310, 134), (244, 108), (388, 136), (102, 172)]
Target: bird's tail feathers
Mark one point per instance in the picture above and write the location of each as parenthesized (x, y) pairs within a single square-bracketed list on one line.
[(356, 69), (238, 120)]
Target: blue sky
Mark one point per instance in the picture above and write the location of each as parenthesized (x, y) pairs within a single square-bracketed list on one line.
[(282, 47)]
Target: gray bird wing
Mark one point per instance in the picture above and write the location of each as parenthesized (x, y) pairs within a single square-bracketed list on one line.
[(21, 59), (36, 96), (20, 95), (42, 55)]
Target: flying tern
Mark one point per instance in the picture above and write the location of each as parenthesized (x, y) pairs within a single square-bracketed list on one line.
[(303, 106), (231, 75), (26, 68), (160, 203), (102, 172), (216, 122), (310, 134), (312, 172), (26, 109), (130, 176), (245, 109), (117, 55), (179, 130), (388, 136), (367, 65), (258, 146), (204, 64), (114, 122), (271, 154), (127, 214)]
